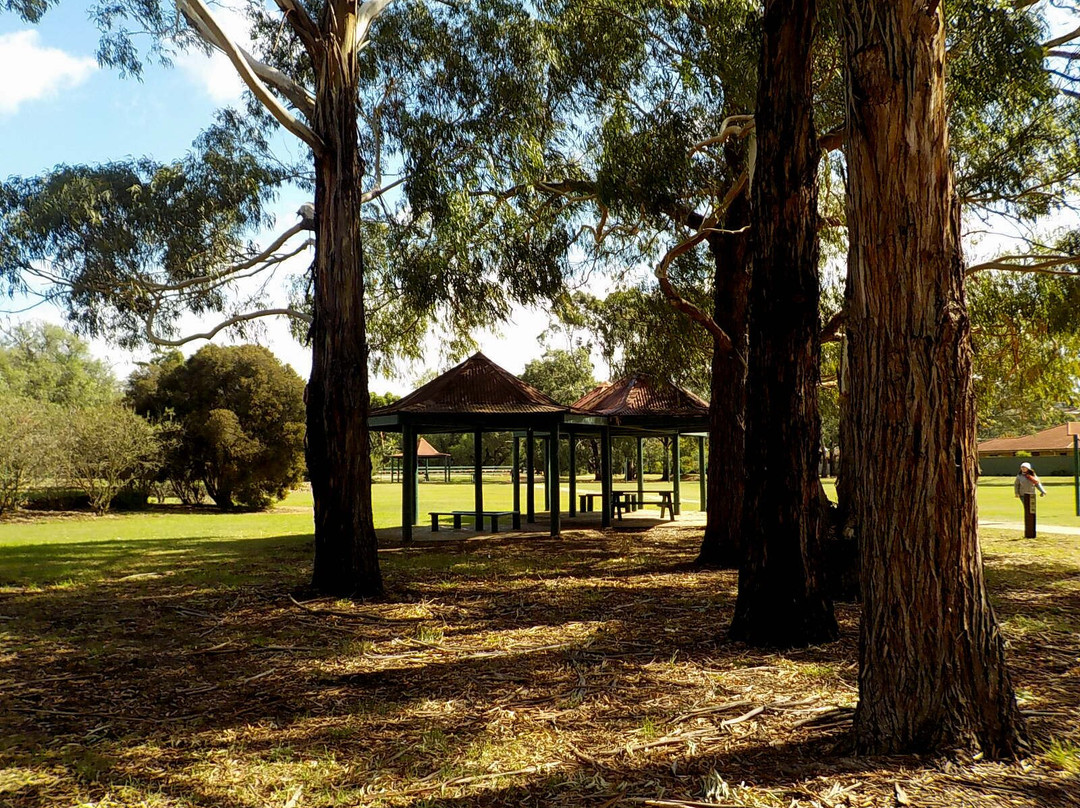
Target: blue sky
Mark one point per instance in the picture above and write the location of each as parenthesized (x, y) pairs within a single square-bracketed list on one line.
[(57, 106)]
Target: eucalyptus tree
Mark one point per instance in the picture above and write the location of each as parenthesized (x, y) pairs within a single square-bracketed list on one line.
[(662, 100), (782, 599), (932, 662), (445, 95)]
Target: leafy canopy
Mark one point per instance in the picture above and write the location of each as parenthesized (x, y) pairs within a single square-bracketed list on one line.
[(241, 420)]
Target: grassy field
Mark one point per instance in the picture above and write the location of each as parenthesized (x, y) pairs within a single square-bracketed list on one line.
[(76, 548), (158, 660), (997, 503)]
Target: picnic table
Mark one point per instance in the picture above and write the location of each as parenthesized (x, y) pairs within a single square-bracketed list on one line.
[(628, 501)]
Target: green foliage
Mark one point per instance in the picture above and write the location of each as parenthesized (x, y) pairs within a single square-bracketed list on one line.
[(43, 362), (637, 331), (1027, 350), (105, 448), (132, 241), (28, 438), (564, 375), (383, 444), (1013, 134), (238, 418)]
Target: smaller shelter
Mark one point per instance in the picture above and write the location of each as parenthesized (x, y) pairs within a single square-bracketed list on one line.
[(425, 453), (641, 405), (1050, 451)]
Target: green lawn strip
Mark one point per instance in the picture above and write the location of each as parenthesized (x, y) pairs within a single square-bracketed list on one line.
[(997, 503)]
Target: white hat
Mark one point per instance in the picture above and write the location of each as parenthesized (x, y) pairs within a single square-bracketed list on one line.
[(1026, 466)]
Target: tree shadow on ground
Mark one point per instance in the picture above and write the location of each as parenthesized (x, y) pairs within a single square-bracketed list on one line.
[(198, 682)]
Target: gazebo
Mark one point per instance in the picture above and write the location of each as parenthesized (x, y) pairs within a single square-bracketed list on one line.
[(478, 396), (641, 405), (424, 452)]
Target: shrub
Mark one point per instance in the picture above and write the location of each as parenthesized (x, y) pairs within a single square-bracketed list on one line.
[(27, 448), (105, 449), (237, 417)]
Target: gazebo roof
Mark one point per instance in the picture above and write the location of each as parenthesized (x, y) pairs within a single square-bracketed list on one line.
[(641, 395), (475, 387), (424, 450)]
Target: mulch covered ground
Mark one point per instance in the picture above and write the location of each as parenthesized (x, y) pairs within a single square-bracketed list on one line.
[(511, 670)]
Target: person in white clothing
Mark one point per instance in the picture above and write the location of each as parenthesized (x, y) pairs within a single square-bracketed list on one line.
[(1024, 486)]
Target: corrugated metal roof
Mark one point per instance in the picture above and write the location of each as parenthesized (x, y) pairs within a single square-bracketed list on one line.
[(1056, 438), (476, 386), (424, 449), (642, 395)]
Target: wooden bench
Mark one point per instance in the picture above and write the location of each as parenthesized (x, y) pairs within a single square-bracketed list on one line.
[(491, 516)]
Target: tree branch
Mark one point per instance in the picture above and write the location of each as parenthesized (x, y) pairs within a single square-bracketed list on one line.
[(831, 331), (733, 126), (832, 140), (723, 339), (1061, 40), (198, 10), (262, 257), (294, 92), (368, 13), (300, 21), (375, 193), (236, 320), (1040, 264)]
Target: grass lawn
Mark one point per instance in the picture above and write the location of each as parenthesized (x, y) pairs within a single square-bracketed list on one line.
[(997, 503), (80, 547), (157, 660)]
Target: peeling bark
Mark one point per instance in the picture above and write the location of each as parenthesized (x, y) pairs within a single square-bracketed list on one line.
[(339, 462), (933, 675)]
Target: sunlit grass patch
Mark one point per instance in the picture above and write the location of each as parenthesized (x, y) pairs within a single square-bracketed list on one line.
[(1063, 755)]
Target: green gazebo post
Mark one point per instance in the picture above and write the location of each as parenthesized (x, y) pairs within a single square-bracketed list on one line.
[(478, 478), (676, 474), (605, 476), (553, 476), (573, 475), (515, 475), (640, 470), (548, 443), (408, 486), (530, 477)]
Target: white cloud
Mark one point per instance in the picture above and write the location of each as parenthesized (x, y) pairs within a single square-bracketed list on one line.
[(215, 73), (33, 71)]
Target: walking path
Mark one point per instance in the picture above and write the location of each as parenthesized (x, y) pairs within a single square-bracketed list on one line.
[(1061, 530)]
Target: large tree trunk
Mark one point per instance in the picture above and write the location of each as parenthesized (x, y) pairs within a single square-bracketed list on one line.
[(782, 597), (933, 673), (339, 463), (721, 545)]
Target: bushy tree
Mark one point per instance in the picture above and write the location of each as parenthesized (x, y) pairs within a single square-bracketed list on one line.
[(239, 416), (564, 375), (27, 447), (105, 448)]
